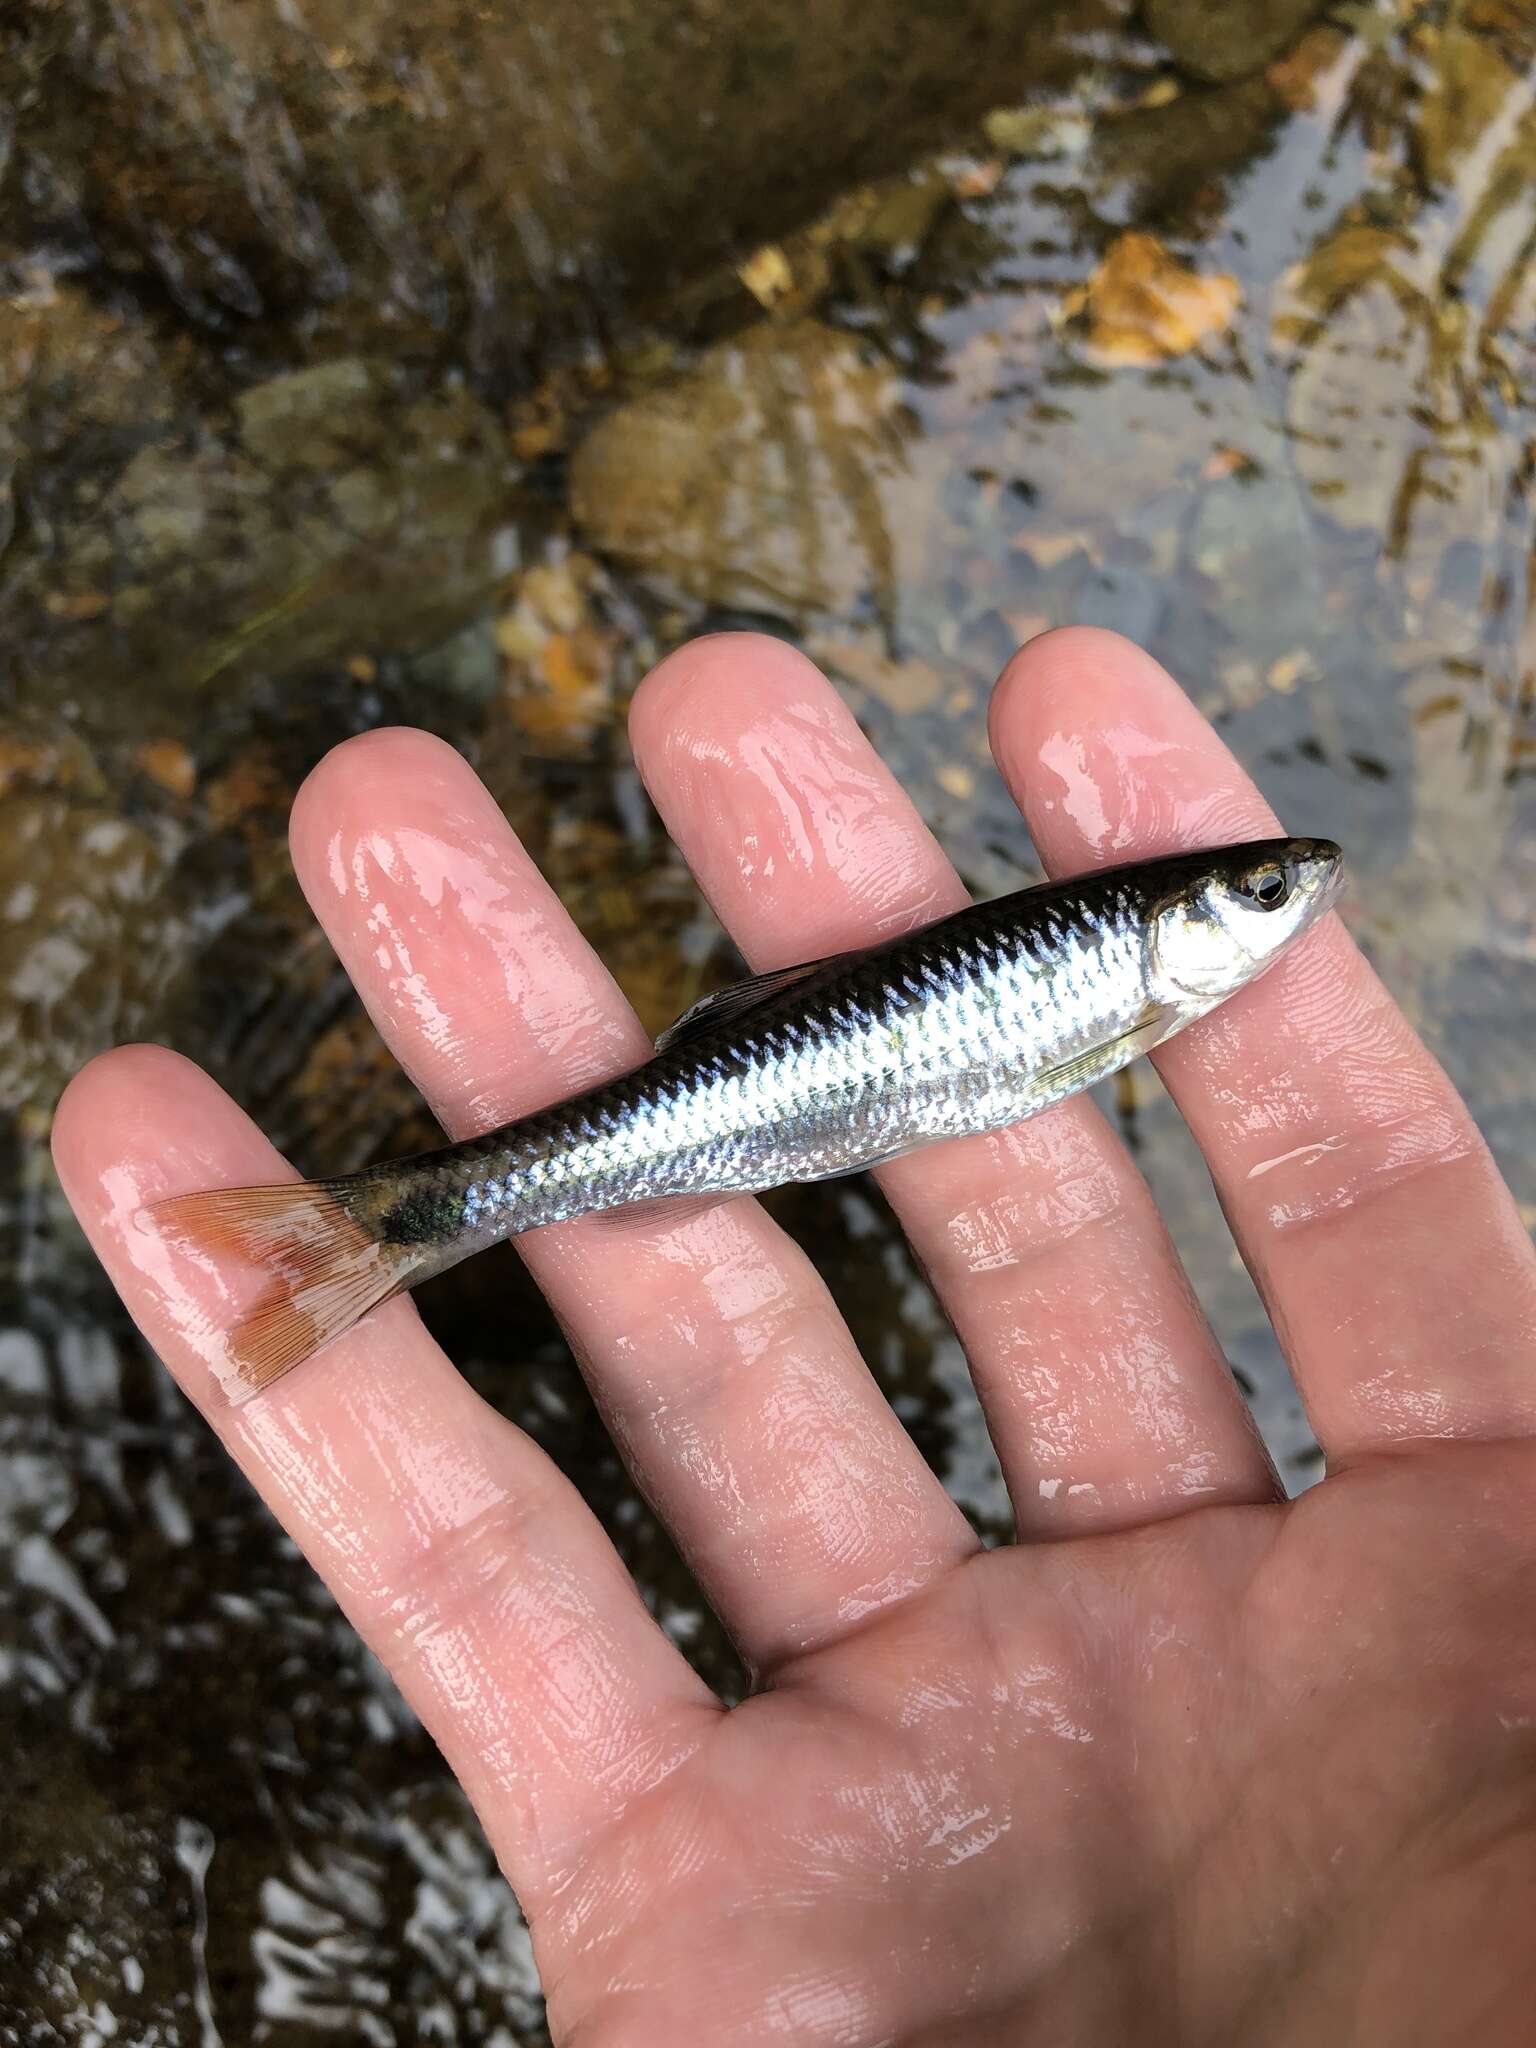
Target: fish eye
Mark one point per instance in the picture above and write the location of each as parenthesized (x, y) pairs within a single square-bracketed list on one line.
[(1267, 886)]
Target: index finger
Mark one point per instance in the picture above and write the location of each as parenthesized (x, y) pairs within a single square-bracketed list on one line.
[(1389, 1252), (465, 1560)]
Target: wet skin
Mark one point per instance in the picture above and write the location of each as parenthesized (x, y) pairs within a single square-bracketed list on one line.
[(1186, 1764)]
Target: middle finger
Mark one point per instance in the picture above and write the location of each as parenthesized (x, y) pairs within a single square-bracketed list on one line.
[(1106, 1395)]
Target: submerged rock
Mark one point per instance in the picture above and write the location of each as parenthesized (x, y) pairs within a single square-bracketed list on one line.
[(759, 481), (337, 510), (1351, 423), (1227, 38), (483, 173), (1252, 540), (1174, 159), (77, 890), (309, 417)]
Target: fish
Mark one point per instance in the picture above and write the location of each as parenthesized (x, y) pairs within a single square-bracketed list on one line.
[(805, 1073)]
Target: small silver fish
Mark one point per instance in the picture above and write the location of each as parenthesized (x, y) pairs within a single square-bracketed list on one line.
[(802, 1074)]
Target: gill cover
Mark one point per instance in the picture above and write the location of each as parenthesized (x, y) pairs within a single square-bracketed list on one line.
[(1236, 911)]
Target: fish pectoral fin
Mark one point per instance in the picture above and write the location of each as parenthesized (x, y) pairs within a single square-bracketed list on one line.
[(1084, 1068), (726, 1005)]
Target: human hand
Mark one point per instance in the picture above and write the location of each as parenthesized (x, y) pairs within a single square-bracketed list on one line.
[(1187, 1763)]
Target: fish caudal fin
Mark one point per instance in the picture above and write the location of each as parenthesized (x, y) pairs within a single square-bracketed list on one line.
[(326, 1271)]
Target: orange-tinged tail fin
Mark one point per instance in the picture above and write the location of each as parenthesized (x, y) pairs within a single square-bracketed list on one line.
[(327, 1270)]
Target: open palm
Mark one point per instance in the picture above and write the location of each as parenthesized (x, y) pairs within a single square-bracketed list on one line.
[(1186, 1764)]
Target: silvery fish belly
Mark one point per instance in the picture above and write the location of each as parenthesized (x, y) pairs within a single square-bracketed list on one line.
[(811, 1071)]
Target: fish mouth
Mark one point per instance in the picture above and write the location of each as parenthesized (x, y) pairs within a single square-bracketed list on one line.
[(1318, 865)]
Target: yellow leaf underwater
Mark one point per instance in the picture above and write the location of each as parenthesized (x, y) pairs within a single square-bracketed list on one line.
[(1142, 306)]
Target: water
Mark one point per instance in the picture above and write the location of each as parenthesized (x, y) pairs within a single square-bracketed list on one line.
[(1235, 359)]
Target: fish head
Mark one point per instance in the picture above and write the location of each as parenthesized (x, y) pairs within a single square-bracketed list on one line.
[(1231, 912)]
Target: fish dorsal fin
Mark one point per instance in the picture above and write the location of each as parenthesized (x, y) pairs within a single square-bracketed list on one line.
[(726, 1005)]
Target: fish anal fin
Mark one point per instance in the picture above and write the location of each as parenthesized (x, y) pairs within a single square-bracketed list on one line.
[(657, 1212)]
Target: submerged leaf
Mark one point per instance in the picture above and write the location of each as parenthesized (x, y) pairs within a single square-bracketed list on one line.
[(1142, 306)]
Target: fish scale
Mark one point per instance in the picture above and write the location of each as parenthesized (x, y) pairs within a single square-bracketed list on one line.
[(965, 1025)]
